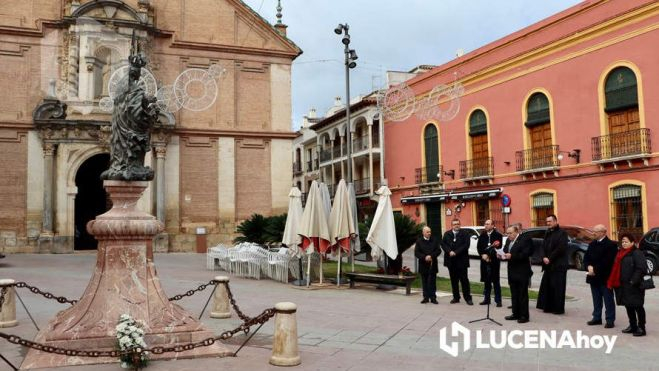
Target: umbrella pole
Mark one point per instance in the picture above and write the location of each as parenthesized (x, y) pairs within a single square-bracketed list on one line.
[(352, 257), (308, 269), (321, 269), (338, 270)]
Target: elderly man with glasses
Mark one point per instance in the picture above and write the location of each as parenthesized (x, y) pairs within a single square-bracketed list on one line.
[(599, 260)]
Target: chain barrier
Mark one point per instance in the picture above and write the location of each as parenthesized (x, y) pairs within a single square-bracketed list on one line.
[(203, 287), (35, 290), (262, 318)]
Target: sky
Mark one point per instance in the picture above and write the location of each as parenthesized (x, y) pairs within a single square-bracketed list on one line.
[(388, 35)]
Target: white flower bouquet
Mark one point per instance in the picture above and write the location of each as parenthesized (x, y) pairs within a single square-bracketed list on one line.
[(130, 336)]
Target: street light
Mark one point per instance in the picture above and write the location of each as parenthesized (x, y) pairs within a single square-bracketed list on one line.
[(350, 58)]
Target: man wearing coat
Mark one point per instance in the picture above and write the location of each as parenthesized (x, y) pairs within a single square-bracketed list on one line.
[(455, 244), (551, 297), (517, 252), (599, 260), (427, 250), (488, 241)]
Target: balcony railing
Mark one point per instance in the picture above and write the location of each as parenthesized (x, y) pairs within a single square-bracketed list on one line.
[(478, 168), (621, 145), (297, 167), (325, 155), (315, 164), (336, 152), (304, 198), (363, 185), (360, 144), (428, 174), (537, 158), (309, 166)]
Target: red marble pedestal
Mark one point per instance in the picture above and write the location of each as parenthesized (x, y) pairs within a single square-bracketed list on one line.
[(124, 281)]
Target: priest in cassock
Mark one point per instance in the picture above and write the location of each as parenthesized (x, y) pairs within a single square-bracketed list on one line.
[(551, 297)]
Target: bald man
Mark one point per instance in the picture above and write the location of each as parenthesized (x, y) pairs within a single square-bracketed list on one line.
[(598, 261), (427, 250)]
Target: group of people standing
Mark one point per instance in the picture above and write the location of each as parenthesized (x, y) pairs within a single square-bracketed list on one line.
[(609, 270)]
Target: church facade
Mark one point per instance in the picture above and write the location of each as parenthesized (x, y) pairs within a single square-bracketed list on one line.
[(220, 151)]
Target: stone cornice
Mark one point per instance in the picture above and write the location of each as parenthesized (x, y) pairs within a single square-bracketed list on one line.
[(235, 133), (234, 49)]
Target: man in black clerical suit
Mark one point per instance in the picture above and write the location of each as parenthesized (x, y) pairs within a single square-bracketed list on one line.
[(488, 241), (517, 253), (427, 250), (551, 297), (455, 244)]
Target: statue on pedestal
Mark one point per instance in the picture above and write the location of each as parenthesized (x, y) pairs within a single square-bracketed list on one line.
[(134, 115)]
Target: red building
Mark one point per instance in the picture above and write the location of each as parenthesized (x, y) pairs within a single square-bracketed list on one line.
[(560, 116)]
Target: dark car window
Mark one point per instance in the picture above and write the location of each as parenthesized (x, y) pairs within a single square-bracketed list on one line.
[(651, 237), (540, 233)]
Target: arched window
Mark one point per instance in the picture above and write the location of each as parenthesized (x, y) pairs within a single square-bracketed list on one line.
[(627, 208), (430, 138), (479, 164), (537, 110), (542, 205), (620, 90), (542, 152)]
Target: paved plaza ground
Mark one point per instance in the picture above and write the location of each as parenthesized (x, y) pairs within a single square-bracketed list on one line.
[(344, 329)]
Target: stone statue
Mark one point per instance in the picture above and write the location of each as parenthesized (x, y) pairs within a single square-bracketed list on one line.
[(134, 115)]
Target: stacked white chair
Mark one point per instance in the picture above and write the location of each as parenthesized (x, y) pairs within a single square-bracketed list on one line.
[(218, 256), (278, 265)]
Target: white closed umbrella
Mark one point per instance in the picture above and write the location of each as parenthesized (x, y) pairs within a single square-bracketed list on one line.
[(342, 226), (382, 235), (291, 237), (314, 230)]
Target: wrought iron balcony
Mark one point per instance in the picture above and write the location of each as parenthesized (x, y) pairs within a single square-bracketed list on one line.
[(297, 167), (376, 140), (620, 146), (309, 166), (478, 168), (429, 174), (336, 152), (537, 159)]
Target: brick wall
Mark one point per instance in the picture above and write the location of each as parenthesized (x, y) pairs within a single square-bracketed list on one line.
[(198, 176), (13, 185), (253, 185)]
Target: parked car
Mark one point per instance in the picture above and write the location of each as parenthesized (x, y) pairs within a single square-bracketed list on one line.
[(650, 246), (578, 240)]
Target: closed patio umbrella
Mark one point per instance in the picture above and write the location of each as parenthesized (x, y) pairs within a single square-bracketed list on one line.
[(291, 238), (342, 226), (382, 235), (314, 230)]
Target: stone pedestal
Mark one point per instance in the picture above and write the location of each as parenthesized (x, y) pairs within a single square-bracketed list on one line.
[(285, 346), (8, 310), (124, 282), (221, 304)]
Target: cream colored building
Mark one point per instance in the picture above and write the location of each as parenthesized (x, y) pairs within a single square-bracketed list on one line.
[(215, 165)]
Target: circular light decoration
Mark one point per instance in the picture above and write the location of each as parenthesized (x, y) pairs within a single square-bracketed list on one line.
[(166, 99), (449, 96), (216, 70), (195, 89), (397, 102), (106, 104), (120, 78)]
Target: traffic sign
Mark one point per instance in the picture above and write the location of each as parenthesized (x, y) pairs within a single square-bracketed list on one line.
[(505, 200)]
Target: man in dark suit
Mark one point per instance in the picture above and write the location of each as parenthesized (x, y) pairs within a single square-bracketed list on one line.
[(599, 260), (427, 250), (455, 244), (488, 241), (518, 251), (551, 297)]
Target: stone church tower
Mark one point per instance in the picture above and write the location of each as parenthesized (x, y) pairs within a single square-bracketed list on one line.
[(221, 150)]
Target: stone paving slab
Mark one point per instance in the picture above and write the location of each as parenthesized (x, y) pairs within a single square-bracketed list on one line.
[(360, 329)]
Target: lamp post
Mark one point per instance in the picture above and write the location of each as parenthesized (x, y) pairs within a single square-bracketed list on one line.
[(350, 58)]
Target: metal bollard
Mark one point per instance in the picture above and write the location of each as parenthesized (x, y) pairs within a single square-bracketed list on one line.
[(8, 310), (221, 305), (284, 349)]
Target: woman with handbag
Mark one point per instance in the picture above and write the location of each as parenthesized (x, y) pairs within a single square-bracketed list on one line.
[(626, 277)]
